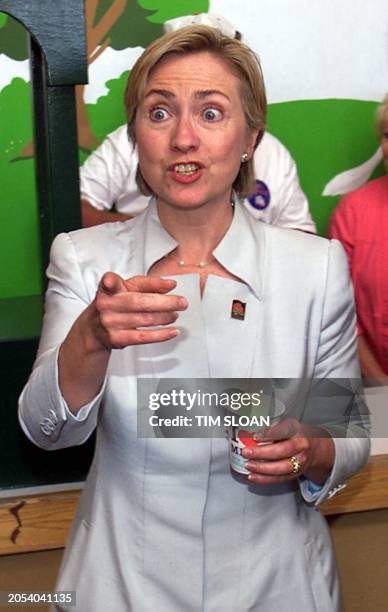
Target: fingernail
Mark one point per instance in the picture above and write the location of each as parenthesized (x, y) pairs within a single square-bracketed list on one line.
[(247, 452), (183, 303)]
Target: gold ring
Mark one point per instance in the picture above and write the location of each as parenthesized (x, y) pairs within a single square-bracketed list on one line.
[(296, 465)]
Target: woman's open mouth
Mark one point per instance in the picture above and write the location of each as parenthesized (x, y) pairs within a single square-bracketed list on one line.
[(186, 169), (186, 172)]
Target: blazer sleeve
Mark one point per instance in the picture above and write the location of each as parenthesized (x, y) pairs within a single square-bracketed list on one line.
[(43, 413), (337, 367)]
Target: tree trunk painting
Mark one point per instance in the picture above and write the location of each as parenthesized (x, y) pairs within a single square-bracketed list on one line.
[(97, 41)]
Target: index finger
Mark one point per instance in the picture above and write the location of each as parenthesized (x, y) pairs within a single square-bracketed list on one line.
[(149, 284)]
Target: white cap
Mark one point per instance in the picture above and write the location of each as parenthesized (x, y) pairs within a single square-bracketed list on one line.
[(208, 19)]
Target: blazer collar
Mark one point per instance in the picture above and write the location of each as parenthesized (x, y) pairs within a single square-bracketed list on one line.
[(241, 251), (157, 241)]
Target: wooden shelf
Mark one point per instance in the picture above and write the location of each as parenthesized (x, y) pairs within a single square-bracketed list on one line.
[(38, 522), (42, 522)]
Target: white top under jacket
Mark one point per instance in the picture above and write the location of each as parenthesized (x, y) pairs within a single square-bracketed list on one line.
[(108, 177), (162, 524)]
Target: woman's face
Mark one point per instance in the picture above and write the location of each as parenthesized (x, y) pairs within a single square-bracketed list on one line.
[(191, 131)]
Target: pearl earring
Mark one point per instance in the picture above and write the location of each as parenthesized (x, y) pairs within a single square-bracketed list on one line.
[(244, 157)]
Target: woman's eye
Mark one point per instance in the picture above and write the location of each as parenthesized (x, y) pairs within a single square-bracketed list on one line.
[(158, 114), (212, 114)]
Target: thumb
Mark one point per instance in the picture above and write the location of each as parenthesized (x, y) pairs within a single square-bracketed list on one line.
[(112, 283)]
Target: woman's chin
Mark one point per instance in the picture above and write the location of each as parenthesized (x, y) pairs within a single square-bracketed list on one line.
[(193, 199), (185, 205), (184, 198)]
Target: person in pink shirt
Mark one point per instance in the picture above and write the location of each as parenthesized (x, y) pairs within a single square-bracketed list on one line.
[(360, 222)]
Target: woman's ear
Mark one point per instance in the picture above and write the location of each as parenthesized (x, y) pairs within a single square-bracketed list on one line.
[(254, 138)]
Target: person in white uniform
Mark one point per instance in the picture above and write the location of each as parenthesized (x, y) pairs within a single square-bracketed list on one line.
[(108, 176), (162, 523)]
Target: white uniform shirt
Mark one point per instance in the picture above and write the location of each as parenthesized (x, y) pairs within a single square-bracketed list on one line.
[(108, 177), (162, 524)]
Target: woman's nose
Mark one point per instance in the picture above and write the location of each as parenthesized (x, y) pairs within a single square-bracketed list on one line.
[(185, 136)]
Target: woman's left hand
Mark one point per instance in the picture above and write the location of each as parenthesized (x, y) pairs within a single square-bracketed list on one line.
[(294, 450)]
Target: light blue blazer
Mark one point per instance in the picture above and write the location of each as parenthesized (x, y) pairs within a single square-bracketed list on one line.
[(162, 524)]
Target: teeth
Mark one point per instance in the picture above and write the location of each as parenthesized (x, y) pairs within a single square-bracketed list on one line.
[(186, 168)]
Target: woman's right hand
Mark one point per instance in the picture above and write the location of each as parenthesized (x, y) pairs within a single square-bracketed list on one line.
[(119, 316), (124, 309)]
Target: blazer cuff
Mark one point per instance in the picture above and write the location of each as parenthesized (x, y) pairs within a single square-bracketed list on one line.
[(351, 454), (47, 420)]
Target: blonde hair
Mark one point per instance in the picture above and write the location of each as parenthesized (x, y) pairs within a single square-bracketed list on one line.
[(242, 61), (382, 116)]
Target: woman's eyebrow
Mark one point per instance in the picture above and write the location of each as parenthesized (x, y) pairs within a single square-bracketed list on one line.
[(160, 92), (204, 93), (201, 94)]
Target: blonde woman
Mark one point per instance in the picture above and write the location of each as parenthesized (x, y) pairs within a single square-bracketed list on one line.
[(162, 523)]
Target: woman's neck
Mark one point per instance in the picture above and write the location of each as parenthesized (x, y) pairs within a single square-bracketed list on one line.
[(198, 231)]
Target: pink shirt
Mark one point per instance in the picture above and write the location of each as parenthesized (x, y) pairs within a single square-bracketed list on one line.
[(360, 222)]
